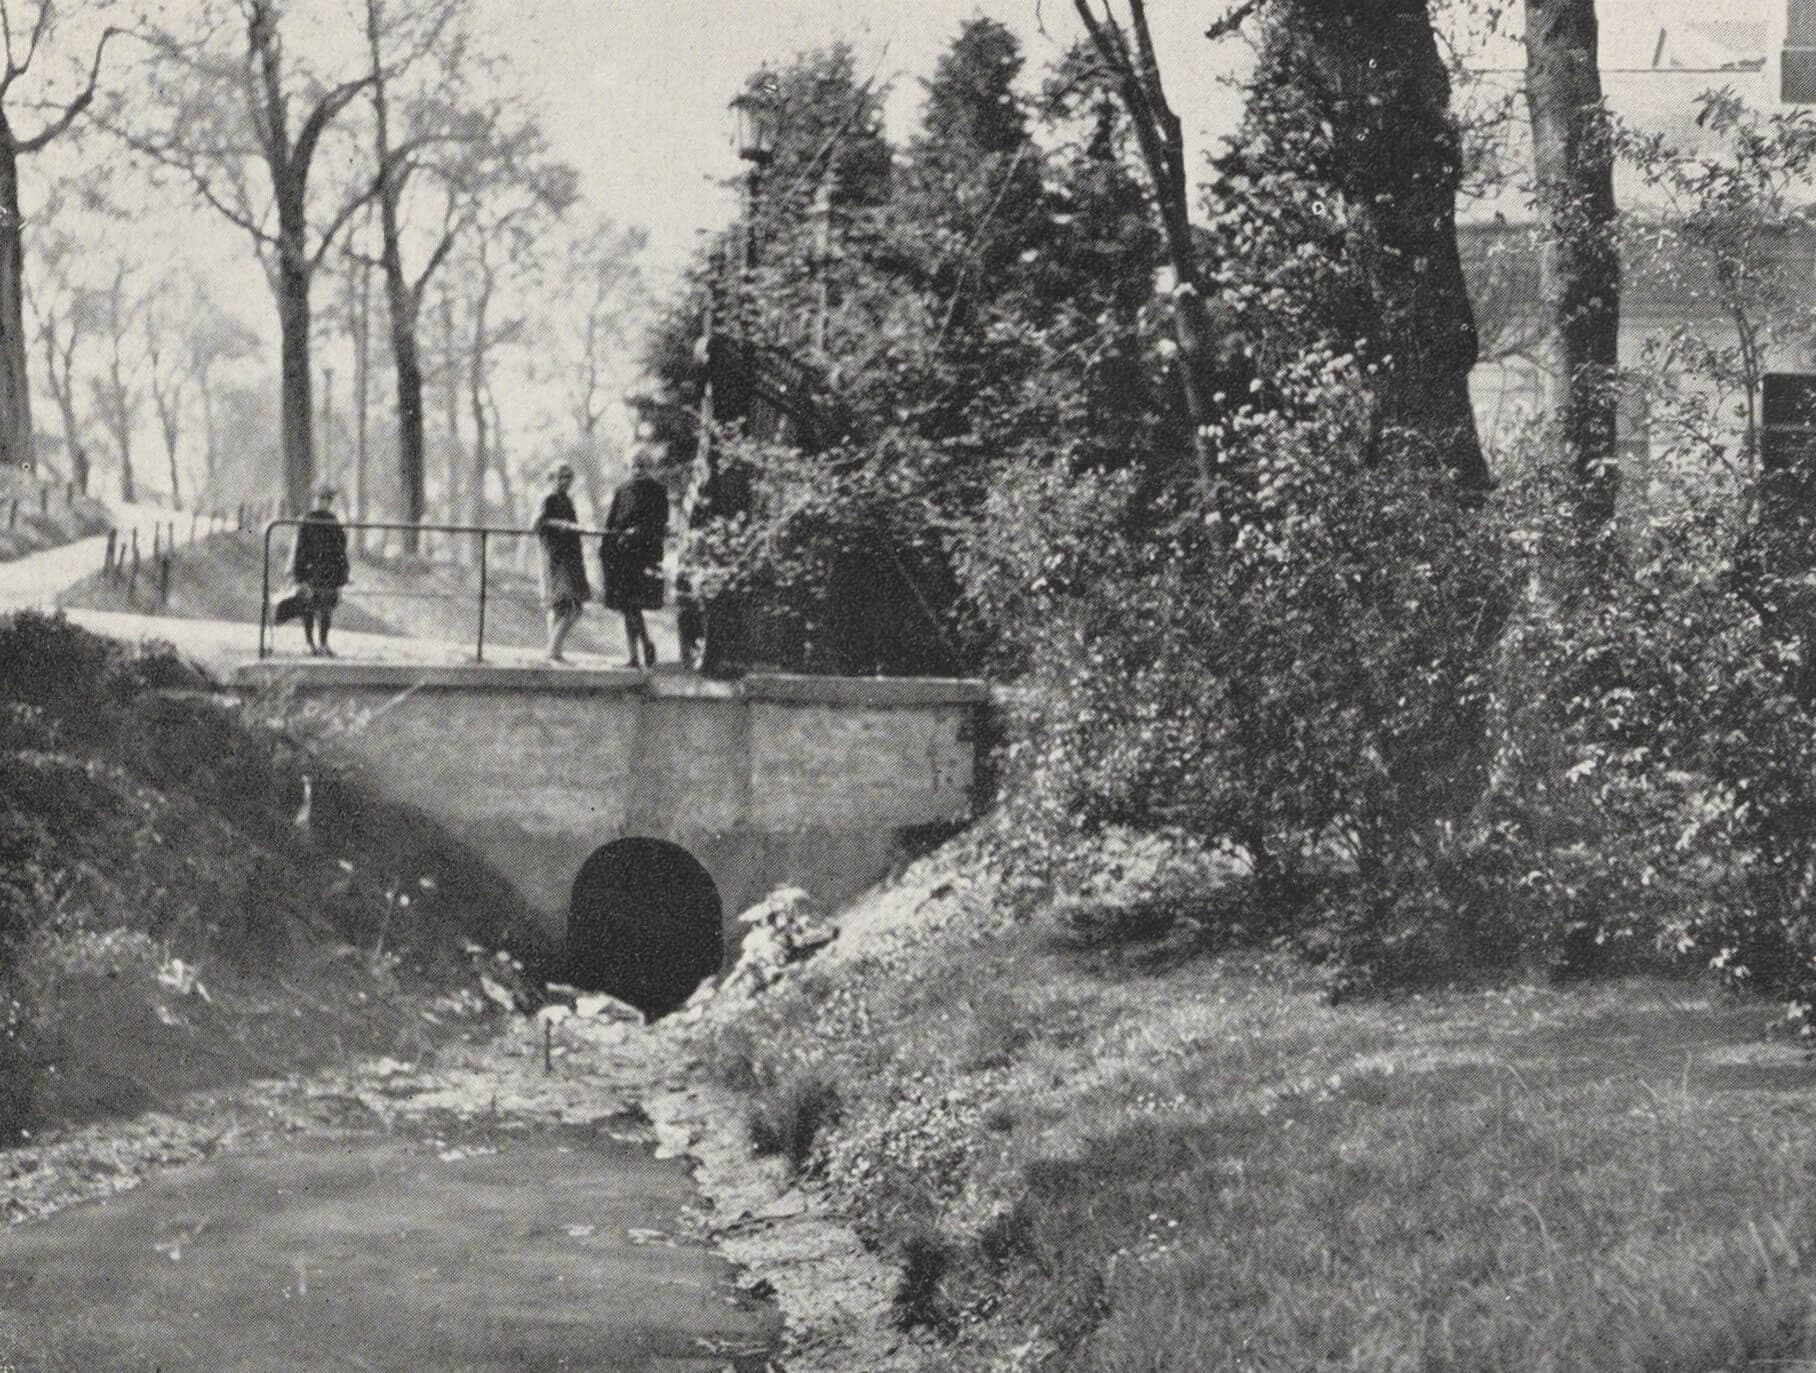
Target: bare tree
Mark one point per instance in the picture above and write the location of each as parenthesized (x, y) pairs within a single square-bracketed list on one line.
[(245, 127), (1136, 71), (117, 389), (64, 313), (25, 26), (475, 165), (602, 283), (212, 337), (431, 122), (167, 378)]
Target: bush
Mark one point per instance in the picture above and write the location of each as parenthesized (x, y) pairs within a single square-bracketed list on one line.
[(789, 1119), (1289, 669), (18, 1070), (920, 1299), (68, 673)]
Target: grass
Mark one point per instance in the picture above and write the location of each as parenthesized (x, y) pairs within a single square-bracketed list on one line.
[(1207, 1166)]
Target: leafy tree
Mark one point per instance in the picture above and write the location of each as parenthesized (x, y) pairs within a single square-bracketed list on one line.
[(1360, 104)]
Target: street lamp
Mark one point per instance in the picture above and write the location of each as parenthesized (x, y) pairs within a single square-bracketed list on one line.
[(757, 120)]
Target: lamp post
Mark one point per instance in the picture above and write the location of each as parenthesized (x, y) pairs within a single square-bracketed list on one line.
[(756, 126), (822, 259), (709, 631)]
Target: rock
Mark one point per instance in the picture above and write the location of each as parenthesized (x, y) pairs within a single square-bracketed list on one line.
[(497, 993), (785, 928), (599, 1006)]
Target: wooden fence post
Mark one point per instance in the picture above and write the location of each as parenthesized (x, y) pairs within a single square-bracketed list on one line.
[(108, 558), (164, 581)]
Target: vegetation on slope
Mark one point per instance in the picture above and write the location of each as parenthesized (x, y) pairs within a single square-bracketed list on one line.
[(1083, 1131), (34, 516), (189, 899)]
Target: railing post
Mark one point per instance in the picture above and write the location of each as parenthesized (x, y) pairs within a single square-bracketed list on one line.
[(481, 655), (265, 588)]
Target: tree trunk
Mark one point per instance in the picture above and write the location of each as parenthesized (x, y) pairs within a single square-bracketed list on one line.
[(59, 371), (450, 390), (204, 380), (362, 384), (476, 376), (170, 454), (129, 489), (1397, 160), (407, 364), (15, 386), (1573, 156), (507, 489), (297, 411)]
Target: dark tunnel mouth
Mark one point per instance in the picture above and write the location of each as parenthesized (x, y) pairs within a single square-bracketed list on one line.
[(645, 924)]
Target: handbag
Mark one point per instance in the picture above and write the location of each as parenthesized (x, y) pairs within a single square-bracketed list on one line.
[(290, 607)]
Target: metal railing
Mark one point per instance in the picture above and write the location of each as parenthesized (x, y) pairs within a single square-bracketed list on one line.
[(483, 532)]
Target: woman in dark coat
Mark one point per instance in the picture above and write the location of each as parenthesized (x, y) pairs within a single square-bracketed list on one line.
[(630, 555), (564, 584), (319, 569)]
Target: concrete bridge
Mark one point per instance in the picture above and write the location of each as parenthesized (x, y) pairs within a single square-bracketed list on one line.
[(640, 813)]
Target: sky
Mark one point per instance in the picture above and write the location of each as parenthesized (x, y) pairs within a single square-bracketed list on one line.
[(635, 91)]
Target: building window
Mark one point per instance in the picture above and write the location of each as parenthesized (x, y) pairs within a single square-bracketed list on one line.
[(1797, 61), (1800, 24), (1632, 432), (1787, 413)]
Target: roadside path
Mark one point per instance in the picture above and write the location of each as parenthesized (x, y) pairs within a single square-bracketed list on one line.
[(35, 581)]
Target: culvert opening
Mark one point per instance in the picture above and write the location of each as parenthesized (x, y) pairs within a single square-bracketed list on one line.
[(644, 924)]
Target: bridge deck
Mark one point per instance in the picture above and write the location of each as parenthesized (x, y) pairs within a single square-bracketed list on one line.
[(339, 675)]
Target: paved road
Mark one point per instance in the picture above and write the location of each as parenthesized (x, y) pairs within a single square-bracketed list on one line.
[(551, 1249), (33, 582)]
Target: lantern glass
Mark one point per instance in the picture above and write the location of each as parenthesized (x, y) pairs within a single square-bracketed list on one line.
[(758, 123)]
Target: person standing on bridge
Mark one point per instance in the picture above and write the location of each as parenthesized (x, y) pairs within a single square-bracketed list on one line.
[(319, 569), (564, 584), (630, 555)]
